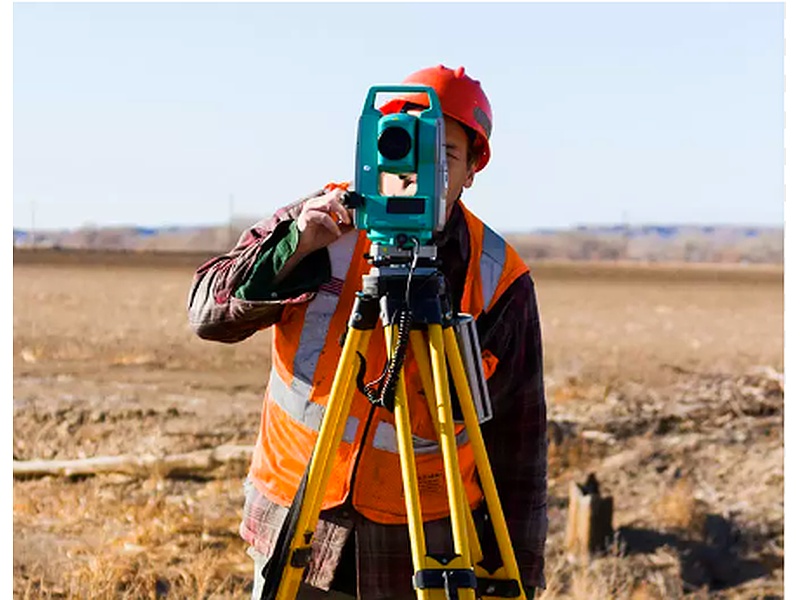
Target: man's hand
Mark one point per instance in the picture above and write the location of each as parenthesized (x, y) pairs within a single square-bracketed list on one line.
[(322, 221)]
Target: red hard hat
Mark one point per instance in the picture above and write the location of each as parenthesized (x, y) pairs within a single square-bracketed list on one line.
[(461, 97)]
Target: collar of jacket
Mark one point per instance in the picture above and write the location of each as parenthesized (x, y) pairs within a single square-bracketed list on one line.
[(455, 232)]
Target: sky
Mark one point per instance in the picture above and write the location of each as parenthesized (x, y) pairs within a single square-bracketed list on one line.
[(185, 114)]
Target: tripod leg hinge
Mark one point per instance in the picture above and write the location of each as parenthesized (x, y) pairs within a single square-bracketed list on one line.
[(451, 580), (498, 588), (301, 557), (366, 311)]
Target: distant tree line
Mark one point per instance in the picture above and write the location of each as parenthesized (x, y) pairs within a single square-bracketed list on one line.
[(693, 247), (617, 243)]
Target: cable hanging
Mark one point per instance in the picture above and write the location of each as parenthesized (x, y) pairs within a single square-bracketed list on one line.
[(381, 391)]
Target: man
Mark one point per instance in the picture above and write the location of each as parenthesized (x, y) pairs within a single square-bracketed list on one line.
[(297, 271)]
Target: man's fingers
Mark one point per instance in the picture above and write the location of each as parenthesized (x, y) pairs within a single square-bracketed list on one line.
[(342, 213), (330, 225), (330, 203), (339, 208), (320, 218)]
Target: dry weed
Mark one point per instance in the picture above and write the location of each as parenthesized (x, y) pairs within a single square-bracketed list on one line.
[(158, 539), (614, 576), (678, 508)]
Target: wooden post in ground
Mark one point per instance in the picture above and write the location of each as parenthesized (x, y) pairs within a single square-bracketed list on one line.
[(589, 519)]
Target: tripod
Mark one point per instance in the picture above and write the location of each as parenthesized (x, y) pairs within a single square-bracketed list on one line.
[(404, 286)]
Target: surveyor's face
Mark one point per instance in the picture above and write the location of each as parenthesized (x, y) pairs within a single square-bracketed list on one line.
[(460, 173)]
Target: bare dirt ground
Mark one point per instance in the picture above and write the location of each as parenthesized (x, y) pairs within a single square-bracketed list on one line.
[(666, 382)]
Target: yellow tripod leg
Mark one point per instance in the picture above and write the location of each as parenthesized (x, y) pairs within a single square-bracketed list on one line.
[(411, 492), (510, 568), (330, 434), (423, 360), (447, 442), (408, 467)]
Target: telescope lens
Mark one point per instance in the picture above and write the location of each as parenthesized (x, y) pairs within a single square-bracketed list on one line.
[(394, 143)]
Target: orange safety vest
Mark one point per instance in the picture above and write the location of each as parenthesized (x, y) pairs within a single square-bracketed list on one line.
[(305, 354)]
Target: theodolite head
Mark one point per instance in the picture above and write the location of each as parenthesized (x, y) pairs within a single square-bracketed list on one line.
[(404, 145)]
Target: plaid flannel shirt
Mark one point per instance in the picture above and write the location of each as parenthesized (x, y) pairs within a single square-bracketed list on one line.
[(515, 438)]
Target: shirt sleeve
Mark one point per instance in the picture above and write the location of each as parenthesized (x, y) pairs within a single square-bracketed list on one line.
[(516, 436), (220, 310), (305, 277)]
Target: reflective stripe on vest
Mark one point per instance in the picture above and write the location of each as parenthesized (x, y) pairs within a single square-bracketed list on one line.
[(386, 439), (493, 259), (294, 400), (321, 309)]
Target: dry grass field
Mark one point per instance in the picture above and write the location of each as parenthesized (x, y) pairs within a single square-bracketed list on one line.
[(664, 381)]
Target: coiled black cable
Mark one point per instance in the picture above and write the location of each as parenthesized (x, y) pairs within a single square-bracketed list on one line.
[(382, 390)]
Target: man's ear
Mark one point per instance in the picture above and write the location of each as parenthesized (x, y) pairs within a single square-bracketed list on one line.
[(470, 176)]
